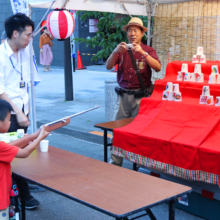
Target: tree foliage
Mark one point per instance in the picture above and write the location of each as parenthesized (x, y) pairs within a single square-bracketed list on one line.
[(110, 32)]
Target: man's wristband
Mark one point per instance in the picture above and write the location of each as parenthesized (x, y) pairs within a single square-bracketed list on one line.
[(146, 55)]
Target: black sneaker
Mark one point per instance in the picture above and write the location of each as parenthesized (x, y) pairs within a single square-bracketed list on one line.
[(31, 203)]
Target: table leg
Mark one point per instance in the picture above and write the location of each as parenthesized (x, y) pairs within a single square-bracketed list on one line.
[(172, 209), (105, 146), (22, 197), (135, 166)]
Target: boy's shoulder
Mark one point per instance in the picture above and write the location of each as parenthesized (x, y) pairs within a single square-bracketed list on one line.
[(7, 152)]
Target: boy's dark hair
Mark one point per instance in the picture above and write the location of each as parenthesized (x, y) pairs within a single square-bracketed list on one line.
[(5, 108), (17, 22)]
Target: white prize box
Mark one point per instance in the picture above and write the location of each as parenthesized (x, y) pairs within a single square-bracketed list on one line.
[(169, 87), (192, 77), (195, 59), (202, 59), (210, 100), (199, 51), (187, 77), (165, 95), (203, 99), (217, 103), (214, 69), (206, 91), (178, 97), (179, 76), (212, 79)]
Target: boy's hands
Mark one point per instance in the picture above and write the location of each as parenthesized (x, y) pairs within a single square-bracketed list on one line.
[(43, 133)]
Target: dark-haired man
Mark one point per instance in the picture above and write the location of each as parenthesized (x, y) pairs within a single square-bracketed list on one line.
[(14, 77), (145, 59)]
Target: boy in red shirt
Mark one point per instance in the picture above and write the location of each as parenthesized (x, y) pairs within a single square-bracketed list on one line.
[(7, 154)]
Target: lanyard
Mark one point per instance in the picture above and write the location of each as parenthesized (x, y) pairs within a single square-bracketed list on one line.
[(14, 66)]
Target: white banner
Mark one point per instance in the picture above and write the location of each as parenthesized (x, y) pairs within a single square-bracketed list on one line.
[(18, 6)]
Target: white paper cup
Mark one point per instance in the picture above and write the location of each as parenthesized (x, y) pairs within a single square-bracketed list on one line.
[(44, 144), (169, 87), (192, 77), (199, 51), (165, 95), (5, 138), (203, 99), (218, 79), (202, 59), (178, 97), (212, 79), (197, 68), (187, 77), (217, 103), (195, 59), (20, 133), (171, 96), (210, 100), (206, 91), (214, 69), (199, 77), (184, 68), (179, 76), (176, 88)]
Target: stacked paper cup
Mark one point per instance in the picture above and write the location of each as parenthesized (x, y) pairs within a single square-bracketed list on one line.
[(172, 92), (198, 73), (206, 98), (183, 74), (214, 77)]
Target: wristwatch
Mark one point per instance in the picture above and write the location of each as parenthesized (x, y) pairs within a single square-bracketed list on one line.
[(146, 54)]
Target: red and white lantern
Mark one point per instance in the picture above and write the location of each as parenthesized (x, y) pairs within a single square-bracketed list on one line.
[(60, 23)]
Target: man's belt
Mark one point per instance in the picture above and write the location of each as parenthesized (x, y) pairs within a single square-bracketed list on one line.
[(128, 92)]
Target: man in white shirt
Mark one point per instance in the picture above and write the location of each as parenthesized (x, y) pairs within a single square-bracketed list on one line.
[(14, 77)]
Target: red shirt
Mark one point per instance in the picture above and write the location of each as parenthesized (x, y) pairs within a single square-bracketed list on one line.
[(126, 76), (7, 154)]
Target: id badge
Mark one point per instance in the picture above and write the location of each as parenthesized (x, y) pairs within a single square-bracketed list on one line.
[(22, 84)]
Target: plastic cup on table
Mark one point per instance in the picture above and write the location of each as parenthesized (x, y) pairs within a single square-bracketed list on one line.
[(20, 133), (212, 79), (206, 91), (169, 87), (44, 145)]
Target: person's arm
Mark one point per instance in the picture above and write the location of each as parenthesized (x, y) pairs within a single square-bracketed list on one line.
[(111, 60), (22, 119), (153, 63), (25, 152), (41, 44)]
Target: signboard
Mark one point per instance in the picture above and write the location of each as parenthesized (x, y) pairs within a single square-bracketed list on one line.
[(93, 25)]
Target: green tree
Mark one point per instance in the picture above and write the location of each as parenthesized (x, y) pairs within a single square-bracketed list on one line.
[(110, 32)]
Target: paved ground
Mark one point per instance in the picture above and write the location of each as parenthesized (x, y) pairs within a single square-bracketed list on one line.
[(89, 90)]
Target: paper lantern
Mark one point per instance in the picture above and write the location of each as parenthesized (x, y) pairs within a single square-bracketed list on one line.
[(60, 23)]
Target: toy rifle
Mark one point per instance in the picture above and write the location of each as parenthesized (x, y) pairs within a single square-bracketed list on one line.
[(24, 141)]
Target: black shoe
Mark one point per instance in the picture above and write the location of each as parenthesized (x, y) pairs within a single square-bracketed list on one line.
[(31, 202)]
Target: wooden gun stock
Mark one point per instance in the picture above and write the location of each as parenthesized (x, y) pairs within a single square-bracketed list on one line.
[(24, 141)]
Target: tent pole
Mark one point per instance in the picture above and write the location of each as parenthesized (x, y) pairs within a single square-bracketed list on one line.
[(44, 17), (32, 91), (149, 24)]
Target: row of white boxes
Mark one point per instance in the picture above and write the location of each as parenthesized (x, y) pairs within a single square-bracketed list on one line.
[(208, 99), (197, 75), (172, 92)]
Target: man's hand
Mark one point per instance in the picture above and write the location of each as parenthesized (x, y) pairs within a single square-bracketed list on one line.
[(137, 48), (22, 119), (41, 50), (120, 48)]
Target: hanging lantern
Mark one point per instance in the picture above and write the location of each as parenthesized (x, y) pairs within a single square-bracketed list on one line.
[(60, 23)]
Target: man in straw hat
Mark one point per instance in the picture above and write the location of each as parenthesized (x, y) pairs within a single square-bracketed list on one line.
[(145, 57)]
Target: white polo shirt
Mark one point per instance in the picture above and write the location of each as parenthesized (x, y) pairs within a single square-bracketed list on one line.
[(10, 78)]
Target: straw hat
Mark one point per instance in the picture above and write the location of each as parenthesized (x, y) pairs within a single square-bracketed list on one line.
[(136, 22)]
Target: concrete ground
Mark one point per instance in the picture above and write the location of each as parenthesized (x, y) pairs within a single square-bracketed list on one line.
[(89, 90)]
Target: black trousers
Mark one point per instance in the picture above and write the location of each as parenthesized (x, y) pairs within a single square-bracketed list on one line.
[(13, 128)]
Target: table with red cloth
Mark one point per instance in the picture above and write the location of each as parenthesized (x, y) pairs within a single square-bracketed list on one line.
[(177, 138)]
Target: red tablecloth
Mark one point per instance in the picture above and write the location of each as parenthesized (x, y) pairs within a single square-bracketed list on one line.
[(179, 138)]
